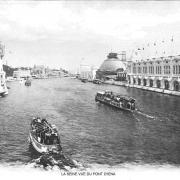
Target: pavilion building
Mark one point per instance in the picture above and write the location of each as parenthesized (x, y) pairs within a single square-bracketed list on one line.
[(113, 68), (156, 74)]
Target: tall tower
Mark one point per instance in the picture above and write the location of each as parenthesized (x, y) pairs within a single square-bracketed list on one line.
[(3, 87)]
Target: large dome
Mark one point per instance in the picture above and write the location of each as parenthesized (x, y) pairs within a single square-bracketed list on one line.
[(112, 63)]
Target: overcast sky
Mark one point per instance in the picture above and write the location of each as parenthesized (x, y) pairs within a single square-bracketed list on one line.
[(65, 34)]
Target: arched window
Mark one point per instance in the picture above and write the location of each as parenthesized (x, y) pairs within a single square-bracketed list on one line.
[(158, 82), (129, 79), (139, 81), (176, 86), (166, 84), (144, 82), (134, 80), (151, 83)]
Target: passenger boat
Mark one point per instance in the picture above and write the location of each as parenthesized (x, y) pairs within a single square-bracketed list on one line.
[(97, 81), (116, 100), (44, 137)]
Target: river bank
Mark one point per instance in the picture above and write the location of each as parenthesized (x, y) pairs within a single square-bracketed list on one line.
[(154, 89)]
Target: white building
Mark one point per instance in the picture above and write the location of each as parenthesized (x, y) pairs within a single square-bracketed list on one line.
[(87, 72), (157, 74), (21, 74), (156, 68)]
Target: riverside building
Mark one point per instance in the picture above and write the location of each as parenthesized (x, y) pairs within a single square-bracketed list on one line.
[(156, 74), (87, 72), (113, 67), (21, 74)]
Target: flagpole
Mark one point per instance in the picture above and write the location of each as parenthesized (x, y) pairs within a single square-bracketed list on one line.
[(172, 46)]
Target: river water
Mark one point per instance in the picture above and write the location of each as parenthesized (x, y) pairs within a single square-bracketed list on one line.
[(91, 133)]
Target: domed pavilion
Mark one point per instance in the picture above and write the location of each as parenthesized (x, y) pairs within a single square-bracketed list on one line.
[(112, 68)]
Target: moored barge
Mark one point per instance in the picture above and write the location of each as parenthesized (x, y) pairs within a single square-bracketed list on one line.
[(115, 100)]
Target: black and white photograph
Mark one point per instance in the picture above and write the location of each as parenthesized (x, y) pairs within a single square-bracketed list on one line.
[(89, 89)]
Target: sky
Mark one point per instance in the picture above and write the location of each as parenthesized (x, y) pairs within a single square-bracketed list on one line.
[(69, 33)]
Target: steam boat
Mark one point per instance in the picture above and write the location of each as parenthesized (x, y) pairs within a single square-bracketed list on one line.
[(44, 137), (116, 100)]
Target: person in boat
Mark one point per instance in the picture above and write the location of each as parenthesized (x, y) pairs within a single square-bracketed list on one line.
[(54, 138), (44, 121), (38, 120), (47, 138), (42, 137), (39, 139)]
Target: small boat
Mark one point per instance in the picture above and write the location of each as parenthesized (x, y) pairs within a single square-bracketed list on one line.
[(116, 100), (27, 82), (3, 90), (97, 81), (84, 80), (44, 137)]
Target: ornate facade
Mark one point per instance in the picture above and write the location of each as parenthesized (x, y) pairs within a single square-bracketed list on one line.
[(156, 74)]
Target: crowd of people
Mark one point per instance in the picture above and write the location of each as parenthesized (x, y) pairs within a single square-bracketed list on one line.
[(44, 132)]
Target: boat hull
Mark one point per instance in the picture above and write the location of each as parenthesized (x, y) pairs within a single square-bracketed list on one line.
[(84, 81), (3, 90), (112, 104), (2, 94), (42, 148)]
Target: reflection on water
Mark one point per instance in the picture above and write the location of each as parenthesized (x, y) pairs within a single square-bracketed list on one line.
[(91, 133)]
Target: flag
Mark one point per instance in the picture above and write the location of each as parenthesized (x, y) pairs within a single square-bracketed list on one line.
[(172, 39)]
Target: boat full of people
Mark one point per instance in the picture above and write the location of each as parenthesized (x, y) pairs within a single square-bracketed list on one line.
[(44, 137), (116, 100)]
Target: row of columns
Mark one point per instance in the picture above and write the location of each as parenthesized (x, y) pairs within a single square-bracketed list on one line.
[(156, 83)]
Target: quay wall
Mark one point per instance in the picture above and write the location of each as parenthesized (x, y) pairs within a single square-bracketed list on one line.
[(154, 89)]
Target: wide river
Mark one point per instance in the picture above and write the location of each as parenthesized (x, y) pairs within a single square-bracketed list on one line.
[(91, 133)]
